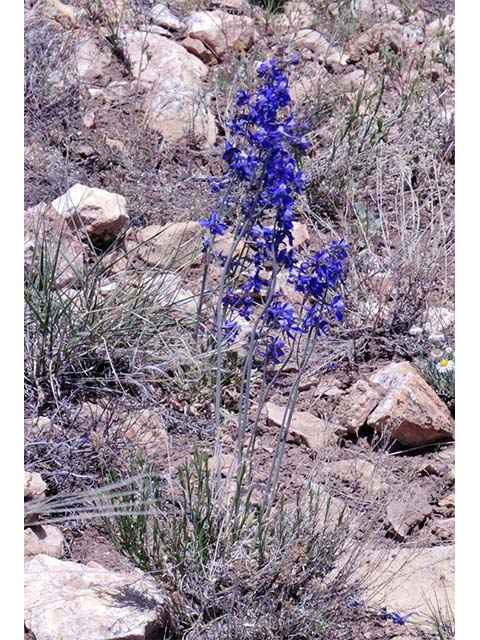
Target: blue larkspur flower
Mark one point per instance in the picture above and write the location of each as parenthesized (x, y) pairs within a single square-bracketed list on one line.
[(263, 177), (214, 224)]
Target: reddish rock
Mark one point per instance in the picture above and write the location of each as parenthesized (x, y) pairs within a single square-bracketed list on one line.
[(359, 473), (192, 45), (448, 502), (305, 428), (409, 580), (410, 407), (407, 511)]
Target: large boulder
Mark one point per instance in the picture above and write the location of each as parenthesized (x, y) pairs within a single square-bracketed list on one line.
[(221, 31), (174, 102), (97, 213), (65, 600), (410, 408)]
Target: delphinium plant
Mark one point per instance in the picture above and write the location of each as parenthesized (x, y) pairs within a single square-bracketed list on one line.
[(271, 297)]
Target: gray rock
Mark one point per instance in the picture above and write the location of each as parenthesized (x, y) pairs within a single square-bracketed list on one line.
[(65, 600)]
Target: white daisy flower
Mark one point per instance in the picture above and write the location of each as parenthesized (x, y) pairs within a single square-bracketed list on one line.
[(445, 365)]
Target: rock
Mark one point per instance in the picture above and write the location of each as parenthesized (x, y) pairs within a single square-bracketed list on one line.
[(223, 245), (408, 511), (319, 46), (298, 15), (303, 88), (438, 319), (332, 511), (168, 292), (410, 407), (169, 246), (305, 428), (163, 17), (222, 32), (389, 35), (68, 16), (448, 502), (65, 600), (232, 5), (228, 465), (146, 430), (409, 581), (444, 528), (441, 27), (376, 9), (34, 427), (174, 103), (199, 49), (301, 235), (33, 486), (359, 473), (100, 214), (116, 91), (355, 407), (50, 241), (355, 80), (431, 468), (45, 539), (447, 454), (92, 61)]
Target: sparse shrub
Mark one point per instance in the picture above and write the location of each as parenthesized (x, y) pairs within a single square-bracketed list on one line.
[(237, 572)]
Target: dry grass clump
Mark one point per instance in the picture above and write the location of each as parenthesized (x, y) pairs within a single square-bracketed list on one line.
[(87, 337), (234, 570)]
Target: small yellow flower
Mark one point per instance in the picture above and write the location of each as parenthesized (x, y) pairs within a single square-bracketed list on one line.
[(240, 49)]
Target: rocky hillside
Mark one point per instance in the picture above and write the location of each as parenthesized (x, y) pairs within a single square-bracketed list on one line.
[(176, 485)]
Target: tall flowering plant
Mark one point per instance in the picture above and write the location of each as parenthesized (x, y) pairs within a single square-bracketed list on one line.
[(255, 213)]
